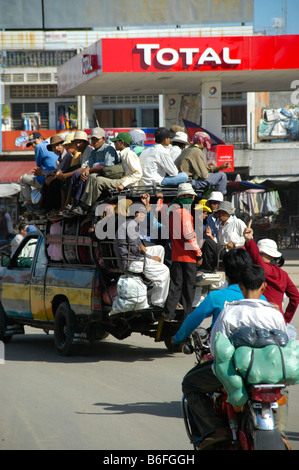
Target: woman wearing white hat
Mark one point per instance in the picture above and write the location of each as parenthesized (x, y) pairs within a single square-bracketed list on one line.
[(265, 253)]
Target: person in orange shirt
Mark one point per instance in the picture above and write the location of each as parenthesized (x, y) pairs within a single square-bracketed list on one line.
[(185, 253)]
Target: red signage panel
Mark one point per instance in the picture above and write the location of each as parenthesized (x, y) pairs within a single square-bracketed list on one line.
[(200, 54)]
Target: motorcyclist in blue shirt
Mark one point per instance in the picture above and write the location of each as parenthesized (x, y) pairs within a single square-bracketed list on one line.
[(234, 260)]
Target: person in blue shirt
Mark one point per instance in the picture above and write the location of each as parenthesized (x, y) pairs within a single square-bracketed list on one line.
[(45, 159), (234, 261)]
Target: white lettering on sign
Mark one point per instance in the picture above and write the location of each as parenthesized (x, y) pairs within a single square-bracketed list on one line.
[(169, 56), (89, 63), (147, 48)]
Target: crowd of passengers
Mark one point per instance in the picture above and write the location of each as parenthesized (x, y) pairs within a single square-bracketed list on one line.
[(71, 177), (73, 171)]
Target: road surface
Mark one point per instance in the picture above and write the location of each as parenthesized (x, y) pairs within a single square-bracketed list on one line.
[(123, 395)]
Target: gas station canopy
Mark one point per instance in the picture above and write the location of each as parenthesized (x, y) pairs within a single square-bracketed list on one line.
[(160, 65)]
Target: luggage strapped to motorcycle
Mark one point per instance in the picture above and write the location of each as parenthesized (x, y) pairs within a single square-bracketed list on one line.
[(252, 359)]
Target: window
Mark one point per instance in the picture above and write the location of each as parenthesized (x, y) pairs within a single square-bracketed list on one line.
[(150, 117), (17, 109)]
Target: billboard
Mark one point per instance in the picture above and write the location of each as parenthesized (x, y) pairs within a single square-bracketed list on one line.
[(120, 14)]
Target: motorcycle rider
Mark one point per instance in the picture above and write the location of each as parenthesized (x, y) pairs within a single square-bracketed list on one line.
[(234, 261), (200, 382)]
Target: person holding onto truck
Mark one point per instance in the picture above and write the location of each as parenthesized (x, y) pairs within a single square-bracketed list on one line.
[(134, 257), (230, 235), (185, 253)]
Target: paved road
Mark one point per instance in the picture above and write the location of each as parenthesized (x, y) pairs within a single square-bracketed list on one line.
[(123, 395)]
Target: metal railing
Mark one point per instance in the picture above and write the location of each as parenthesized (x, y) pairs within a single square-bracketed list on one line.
[(236, 133)]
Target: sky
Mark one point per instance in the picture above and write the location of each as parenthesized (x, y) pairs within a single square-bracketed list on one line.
[(266, 10)]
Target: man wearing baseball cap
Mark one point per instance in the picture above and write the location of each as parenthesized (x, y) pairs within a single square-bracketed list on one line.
[(45, 160), (265, 254)]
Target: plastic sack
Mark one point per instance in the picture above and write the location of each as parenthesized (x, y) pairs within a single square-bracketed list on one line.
[(225, 371), (267, 366), (231, 365), (257, 337), (131, 295)]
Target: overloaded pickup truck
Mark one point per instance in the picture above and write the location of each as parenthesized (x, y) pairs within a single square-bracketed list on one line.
[(62, 278), (71, 294)]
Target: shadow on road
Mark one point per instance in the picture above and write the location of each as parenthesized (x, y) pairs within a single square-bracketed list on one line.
[(40, 348), (293, 436), (166, 409)]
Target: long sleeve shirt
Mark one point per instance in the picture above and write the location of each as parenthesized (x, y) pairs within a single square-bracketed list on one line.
[(191, 161), (156, 163), (211, 306), (231, 231), (184, 244), (132, 167), (278, 283)]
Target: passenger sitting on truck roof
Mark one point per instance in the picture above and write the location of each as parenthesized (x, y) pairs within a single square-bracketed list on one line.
[(95, 184), (139, 137), (45, 159), (157, 165), (202, 175), (102, 155), (134, 257), (56, 186), (178, 143)]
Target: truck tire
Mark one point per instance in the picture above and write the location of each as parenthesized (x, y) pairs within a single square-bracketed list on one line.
[(64, 330)]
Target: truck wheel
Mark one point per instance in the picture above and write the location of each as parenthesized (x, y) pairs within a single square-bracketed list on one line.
[(64, 330)]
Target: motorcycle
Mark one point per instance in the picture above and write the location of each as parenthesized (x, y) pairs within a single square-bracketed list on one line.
[(252, 427)]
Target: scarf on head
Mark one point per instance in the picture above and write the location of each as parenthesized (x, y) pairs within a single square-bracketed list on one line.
[(202, 139)]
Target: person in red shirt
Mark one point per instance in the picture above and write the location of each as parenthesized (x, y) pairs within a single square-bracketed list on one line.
[(278, 281), (185, 253)]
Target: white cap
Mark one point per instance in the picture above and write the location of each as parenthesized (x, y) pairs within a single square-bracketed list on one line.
[(185, 188), (215, 196), (269, 247), (181, 137)]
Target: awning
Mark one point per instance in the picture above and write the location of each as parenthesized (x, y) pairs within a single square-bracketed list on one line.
[(11, 172), (9, 189), (240, 186)]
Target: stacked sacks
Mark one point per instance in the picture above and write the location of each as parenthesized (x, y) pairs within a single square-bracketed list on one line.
[(231, 366)]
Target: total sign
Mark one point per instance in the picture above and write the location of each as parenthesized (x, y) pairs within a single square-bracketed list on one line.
[(200, 54), (169, 56)]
